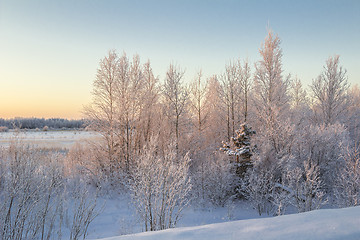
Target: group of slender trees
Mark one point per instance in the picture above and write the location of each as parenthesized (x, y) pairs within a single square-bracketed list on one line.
[(161, 138), (300, 154)]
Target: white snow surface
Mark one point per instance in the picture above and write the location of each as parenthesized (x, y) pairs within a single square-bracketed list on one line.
[(342, 224), (48, 139)]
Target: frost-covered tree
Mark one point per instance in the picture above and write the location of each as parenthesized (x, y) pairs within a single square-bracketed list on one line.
[(230, 83), (124, 94), (215, 125), (299, 104), (150, 104), (160, 186), (130, 93), (270, 87), (197, 98), (245, 88), (353, 122), (175, 98), (103, 110), (329, 91), (298, 95), (271, 97)]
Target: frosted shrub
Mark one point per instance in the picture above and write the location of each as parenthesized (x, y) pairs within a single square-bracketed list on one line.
[(323, 146), (160, 187), (347, 190), (32, 196), (221, 179), (82, 210), (29, 203), (305, 187), (258, 186)]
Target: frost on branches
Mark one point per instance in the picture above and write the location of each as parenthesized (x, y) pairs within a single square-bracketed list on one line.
[(240, 146), (160, 186)]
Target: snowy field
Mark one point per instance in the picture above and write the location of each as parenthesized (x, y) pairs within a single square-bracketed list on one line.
[(341, 224), (62, 139), (119, 217)]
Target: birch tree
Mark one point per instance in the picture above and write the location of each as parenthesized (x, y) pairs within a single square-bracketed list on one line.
[(271, 88), (271, 93), (103, 110), (329, 91), (230, 82), (197, 98), (175, 97), (245, 88)]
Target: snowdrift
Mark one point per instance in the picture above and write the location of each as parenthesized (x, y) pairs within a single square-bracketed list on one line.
[(342, 224)]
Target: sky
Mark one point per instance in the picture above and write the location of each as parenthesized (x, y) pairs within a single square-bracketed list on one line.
[(50, 50)]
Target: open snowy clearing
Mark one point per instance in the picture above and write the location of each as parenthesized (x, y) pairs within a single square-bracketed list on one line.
[(48, 139), (318, 225)]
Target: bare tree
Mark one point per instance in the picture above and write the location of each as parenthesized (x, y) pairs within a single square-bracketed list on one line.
[(245, 88), (216, 123), (129, 100), (103, 111), (150, 104), (329, 91), (176, 97), (230, 82), (197, 97)]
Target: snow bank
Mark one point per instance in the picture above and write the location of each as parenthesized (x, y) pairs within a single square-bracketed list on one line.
[(339, 224)]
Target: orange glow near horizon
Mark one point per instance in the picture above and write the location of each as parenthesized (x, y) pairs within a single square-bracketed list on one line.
[(40, 105)]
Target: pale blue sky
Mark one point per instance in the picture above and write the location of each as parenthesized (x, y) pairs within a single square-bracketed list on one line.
[(50, 50)]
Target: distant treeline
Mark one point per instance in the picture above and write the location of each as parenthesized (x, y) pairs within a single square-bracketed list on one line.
[(40, 123)]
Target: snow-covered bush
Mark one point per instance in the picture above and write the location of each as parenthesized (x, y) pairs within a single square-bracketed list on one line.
[(305, 187), (33, 190), (30, 203), (82, 210), (347, 190), (160, 186), (215, 180), (258, 186), (322, 146)]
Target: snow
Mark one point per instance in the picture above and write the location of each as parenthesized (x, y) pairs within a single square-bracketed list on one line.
[(48, 139), (320, 225)]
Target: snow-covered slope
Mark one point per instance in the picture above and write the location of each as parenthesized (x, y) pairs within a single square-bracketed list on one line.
[(342, 224)]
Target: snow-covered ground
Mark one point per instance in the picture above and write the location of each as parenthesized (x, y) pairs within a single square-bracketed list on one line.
[(119, 217), (48, 139), (342, 224)]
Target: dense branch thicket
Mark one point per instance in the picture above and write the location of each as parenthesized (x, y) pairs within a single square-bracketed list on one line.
[(37, 197)]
